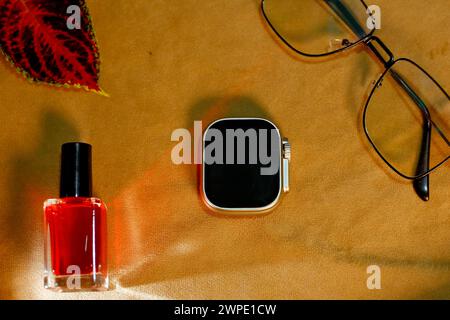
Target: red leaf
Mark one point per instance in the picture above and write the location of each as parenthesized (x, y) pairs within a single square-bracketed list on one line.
[(34, 36)]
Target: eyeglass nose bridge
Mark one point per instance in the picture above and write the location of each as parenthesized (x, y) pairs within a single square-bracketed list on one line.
[(370, 43)]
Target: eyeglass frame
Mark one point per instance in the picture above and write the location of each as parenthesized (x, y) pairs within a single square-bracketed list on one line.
[(421, 181)]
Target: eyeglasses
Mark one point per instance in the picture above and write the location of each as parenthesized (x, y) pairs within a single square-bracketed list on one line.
[(406, 117)]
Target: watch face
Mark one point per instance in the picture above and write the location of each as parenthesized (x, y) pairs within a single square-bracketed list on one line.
[(242, 164)]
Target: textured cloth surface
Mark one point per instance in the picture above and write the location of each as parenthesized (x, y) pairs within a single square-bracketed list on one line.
[(168, 63)]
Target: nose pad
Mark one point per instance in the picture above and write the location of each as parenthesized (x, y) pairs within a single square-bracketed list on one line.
[(378, 81), (336, 44)]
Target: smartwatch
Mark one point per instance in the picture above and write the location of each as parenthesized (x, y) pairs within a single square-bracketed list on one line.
[(245, 167)]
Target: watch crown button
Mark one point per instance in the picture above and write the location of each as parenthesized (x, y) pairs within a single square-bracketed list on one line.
[(286, 149)]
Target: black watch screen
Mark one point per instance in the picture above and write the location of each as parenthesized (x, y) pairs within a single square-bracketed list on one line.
[(241, 164)]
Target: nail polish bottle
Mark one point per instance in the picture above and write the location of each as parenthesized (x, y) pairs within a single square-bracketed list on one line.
[(75, 228)]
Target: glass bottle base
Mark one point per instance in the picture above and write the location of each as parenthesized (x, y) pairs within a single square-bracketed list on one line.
[(71, 283)]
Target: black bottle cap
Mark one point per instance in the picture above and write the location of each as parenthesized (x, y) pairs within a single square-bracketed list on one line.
[(76, 170)]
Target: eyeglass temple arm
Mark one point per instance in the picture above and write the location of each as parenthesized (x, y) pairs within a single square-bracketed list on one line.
[(421, 185), (347, 16)]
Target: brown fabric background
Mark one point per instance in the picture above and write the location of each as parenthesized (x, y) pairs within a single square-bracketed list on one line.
[(167, 63)]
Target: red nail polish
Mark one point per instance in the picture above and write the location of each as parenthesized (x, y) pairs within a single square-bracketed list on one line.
[(75, 228)]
